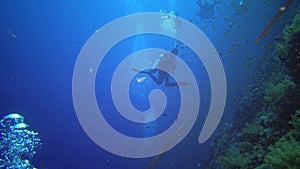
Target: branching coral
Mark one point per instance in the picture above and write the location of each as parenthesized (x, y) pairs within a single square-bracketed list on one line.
[(295, 121), (234, 158), (284, 154), (282, 49), (251, 132), (289, 49), (274, 92), (292, 29)]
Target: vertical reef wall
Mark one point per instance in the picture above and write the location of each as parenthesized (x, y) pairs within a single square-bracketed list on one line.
[(264, 131)]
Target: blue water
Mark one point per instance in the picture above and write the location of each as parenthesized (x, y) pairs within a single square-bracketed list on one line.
[(41, 40)]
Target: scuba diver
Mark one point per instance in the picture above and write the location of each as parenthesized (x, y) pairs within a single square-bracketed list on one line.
[(207, 8), (167, 61)]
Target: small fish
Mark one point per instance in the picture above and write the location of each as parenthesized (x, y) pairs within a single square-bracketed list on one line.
[(10, 32), (13, 35)]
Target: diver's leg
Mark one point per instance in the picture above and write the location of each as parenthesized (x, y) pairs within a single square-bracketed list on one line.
[(150, 73), (160, 79), (168, 84)]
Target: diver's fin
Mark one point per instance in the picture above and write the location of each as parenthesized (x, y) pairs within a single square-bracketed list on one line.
[(136, 70)]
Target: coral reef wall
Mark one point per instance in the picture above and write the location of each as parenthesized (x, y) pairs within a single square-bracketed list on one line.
[(264, 132)]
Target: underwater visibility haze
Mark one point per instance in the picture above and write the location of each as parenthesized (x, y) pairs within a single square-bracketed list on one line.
[(179, 84)]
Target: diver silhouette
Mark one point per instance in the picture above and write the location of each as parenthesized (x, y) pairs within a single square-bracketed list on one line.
[(207, 8), (166, 61)]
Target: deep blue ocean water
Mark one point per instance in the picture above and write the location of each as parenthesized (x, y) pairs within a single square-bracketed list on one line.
[(41, 40)]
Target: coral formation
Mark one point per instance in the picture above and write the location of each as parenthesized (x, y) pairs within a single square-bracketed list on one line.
[(18, 143), (275, 91), (264, 132), (284, 154), (234, 158)]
